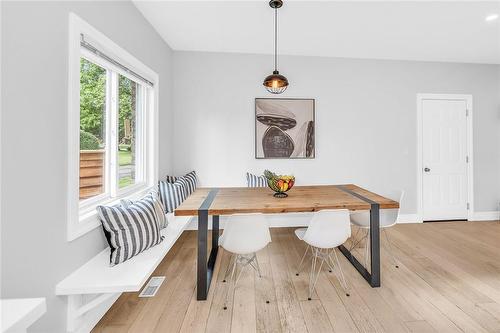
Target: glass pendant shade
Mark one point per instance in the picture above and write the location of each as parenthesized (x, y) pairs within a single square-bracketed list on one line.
[(275, 83)]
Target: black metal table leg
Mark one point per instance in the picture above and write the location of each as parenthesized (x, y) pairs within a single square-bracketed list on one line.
[(215, 231), (201, 291), (375, 244), (373, 277), (204, 268)]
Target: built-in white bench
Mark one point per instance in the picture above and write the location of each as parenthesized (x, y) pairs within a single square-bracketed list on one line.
[(95, 286), (17, 314)]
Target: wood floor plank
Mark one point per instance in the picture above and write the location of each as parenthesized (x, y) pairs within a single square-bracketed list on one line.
[(364, 319), (294, 250), (419, 326), (219, 319), (129, 306), (315, 316), (176, 308), (434, 296), (453, 265), (291, 318), (266, 307), (335, 309), (417, 304), (244, 317), (381, 310), (197, 313), (448, 281), (492, 307), (457, 293), (152, 311)]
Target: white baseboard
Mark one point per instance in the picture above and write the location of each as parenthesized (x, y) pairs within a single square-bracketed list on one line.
[(485, 216), (475, 216), (409, 218)]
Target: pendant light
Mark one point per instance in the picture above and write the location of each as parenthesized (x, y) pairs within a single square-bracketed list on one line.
[(276, 83)]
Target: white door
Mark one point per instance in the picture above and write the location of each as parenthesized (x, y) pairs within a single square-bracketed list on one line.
[(444, 157)]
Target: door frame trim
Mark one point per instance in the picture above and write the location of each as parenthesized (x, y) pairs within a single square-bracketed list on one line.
[(469, 137)]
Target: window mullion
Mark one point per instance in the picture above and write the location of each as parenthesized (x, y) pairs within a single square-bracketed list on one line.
[(113, 134)]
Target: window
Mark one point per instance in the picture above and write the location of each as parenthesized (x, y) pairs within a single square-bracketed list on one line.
[(112, 126), (93, 110), (105, 127), (129, 97)]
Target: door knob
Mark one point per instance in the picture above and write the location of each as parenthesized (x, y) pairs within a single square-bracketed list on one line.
[(427, 169)]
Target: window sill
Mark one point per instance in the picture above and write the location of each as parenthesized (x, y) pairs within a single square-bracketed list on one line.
[(88, 219)]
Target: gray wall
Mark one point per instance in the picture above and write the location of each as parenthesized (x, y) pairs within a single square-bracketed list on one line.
[(35, 253), (365, 119), (365, 113)]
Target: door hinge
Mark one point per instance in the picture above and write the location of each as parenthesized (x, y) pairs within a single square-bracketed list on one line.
[(466, 112), (468, 206), (466, 159)]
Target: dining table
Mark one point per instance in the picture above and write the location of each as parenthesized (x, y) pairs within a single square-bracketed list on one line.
[(214, 202)]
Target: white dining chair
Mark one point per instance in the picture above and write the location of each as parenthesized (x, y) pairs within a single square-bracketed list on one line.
[(327, 230), (388, 218), (243, 236)]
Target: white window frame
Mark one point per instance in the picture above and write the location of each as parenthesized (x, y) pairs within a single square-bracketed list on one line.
[(83, 218)]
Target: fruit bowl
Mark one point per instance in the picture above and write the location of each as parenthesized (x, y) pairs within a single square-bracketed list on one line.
[(279, 183)]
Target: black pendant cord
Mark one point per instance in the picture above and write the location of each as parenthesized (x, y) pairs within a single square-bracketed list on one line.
[(275, 39)]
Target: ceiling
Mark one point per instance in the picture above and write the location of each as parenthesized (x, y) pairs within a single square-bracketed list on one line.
[(446, 31)]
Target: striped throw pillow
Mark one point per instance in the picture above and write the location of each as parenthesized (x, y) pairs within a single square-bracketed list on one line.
[(159, 208), (256, 181), (190, 181), (130, 230), (172, 194)]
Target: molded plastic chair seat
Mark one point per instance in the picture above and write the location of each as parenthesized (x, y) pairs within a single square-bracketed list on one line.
[(300, 233), (388, 218), (244, 235), (327, 230)]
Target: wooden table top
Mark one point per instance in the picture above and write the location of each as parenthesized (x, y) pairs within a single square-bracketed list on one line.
[(245, 200)]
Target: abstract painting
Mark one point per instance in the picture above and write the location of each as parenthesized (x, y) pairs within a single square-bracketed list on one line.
[(284, 128)]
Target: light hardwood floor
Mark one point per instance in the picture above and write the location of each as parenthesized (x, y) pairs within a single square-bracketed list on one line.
[(448, 280)]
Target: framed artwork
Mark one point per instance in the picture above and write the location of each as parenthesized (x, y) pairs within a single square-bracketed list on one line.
[(284, 128)]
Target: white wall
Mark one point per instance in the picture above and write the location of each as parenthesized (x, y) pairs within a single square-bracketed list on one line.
[(35, 253), (365, 119)]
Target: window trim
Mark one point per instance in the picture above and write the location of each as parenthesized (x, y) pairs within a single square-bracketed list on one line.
[(82, 221)]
